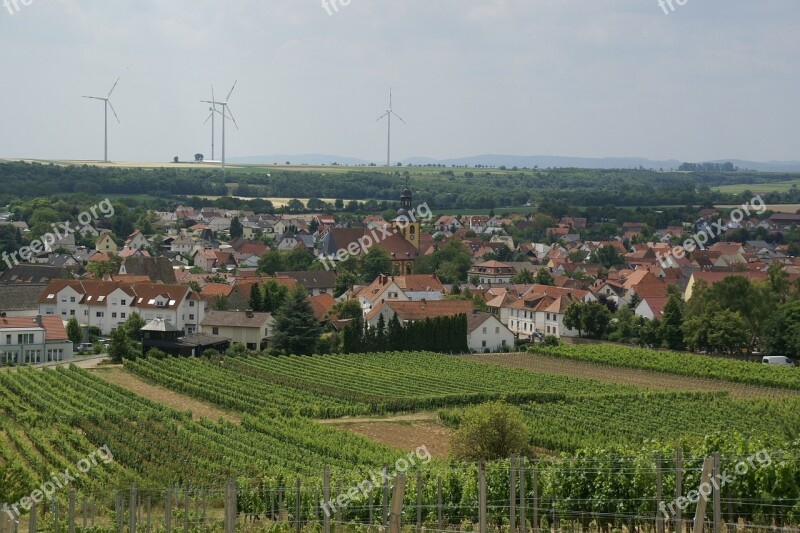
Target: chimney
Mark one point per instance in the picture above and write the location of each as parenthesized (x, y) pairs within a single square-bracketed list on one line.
[(249, 313)]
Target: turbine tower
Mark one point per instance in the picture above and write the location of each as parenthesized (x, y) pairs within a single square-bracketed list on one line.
[(107, 103), (226, 114), (212, 112), (388, 114)]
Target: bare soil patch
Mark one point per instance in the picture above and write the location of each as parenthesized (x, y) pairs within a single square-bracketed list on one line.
[(117, 375)]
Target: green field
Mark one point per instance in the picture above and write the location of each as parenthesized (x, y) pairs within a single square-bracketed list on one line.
[(757, 188)]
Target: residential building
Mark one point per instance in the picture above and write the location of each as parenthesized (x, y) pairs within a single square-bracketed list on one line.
[(38, 339), (107, 304), (486, 333), (253, 330)]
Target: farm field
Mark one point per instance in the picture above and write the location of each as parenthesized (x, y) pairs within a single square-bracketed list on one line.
[(631, 376), (683, 364), (265, 434), (758, 188)]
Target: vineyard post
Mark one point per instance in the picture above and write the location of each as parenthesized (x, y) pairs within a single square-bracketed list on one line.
[(326, 497), (523, 525), (93, 508), (481, 496), (297, 505), (700, 514), (71, 503), (272, 504), (419, 502), (512, 492), (3, 520), (280, 503), (54, 508), (731, 524), (185, 511), (32, 518), (133, 509), (678, 488), (371, 506), (339, 514), (659, 496), (385, 505), (120, 507), (83, 511), (168, 511), (439, 502), (149, 507), (717, 500), (535, 482), (396, 514)]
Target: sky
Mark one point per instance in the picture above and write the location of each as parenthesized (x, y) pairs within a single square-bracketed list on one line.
[(705, 80)]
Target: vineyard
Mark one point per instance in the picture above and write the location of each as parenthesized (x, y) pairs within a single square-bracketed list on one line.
[(677, 363), (609, 436)]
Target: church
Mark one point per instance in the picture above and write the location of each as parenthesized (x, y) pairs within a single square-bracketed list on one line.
[(401, 243)]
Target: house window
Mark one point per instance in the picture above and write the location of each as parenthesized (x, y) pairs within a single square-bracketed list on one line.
[(484, 331), (122, 315), (497, 330), (8, 339), (72, 299), (191, 317), (483, 344), (113, 315), (99, 314), (122, 302), (215, 331), (24, 338), (191, 304), (503, 342)]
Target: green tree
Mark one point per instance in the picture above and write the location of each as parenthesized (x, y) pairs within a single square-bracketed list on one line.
[(74, 332), (523, 277), (275, 294), (544, 277), (133, 327), (220, 303), (607, 256), (344, 282), (672, 320), (573, 316), (237, 230), (374, 263), (296, 329), (489, 432), (121, 346), (346, 309), (256, 301), (271, 262)]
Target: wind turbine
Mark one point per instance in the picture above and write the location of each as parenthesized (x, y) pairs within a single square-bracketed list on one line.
[(107, 103), (226, 114), (388, 114), (213, 111)]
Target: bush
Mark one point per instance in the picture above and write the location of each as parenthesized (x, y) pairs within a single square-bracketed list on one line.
[(551, 340), (490, 431)]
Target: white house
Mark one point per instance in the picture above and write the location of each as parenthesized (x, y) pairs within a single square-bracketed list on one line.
[(107, 304), (38, 339), (486, 332)]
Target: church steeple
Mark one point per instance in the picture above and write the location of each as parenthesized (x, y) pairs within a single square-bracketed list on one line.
[(405, 223)]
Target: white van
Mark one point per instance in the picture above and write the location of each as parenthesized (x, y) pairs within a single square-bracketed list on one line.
[(777, 360)]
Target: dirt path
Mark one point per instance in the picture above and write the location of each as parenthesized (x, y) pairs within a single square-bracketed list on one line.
[(631, 376), (117, 375)]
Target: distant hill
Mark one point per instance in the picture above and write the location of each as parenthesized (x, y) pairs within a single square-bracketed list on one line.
[(510, 161)]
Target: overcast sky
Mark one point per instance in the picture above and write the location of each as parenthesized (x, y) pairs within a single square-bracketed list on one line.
[(713, 79)]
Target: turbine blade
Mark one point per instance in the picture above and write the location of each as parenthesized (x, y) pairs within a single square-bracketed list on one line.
[(230, 93), (112, 88), (209, 118), (382, 116), (112, 110), (94, 97), (401, 118), (213, 98), (228, 108)]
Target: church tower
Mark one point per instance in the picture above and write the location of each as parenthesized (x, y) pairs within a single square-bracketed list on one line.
[(406, 223)]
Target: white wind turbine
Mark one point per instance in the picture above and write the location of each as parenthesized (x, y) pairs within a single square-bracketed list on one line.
[(107, 103), (226, 114), (388, 114)]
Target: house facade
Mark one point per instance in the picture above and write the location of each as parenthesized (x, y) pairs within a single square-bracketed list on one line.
[(31, 340)]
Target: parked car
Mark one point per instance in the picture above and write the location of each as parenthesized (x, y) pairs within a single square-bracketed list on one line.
[(85, 347), (777, 360)]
